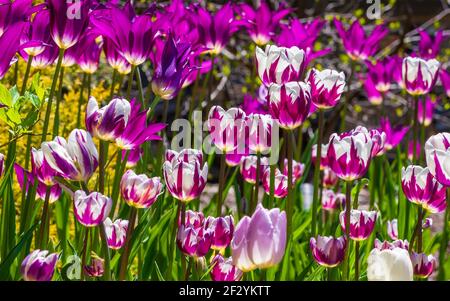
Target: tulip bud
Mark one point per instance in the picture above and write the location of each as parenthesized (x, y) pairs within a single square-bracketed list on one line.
[(2, 164), (224, 270), (297, 169), (91, 210), (332, 201), (116, 232), (389, 265), (38, 266), (140, 191), (95, 269), (392, 229), (194, 242), (419, 76), (327, 250), (192, 218), (329, 178), (222, 229), (280, 183), (423, 264), (361, 223), (248, 168)]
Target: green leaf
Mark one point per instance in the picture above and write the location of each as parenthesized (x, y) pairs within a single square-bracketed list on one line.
[(5, 96)]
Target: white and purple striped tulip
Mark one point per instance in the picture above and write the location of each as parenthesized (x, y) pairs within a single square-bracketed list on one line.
[(260, 132), (91, 210), (349, 154), (427, 223), (39, 266), (290, 103), (116, 232), (280, 189), (194, 242), (392, 229), (280, 64), (140, 191), (423, 264), (185, 174), (386, 245), (327, 87), (41, 168), (327, 250), (425, 115), (107, 123), (332, 201), (297, 169), (420, 187), (419, 76), (323, 158), (96, 269), (75, 159), (222, 229), (195, 219), (389, 265), (224, 270), (248, 168), (437, 154), (329, 178), (362, 223)]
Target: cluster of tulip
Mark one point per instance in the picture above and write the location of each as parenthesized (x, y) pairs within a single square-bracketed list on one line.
[(126, 220)]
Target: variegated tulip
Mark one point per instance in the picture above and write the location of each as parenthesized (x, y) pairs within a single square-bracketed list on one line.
[(224, 270), (327, 250), (419, 76), (248, 168), (222, 229), (195, 242), (116, 232), (423, 264), (437, 154), (327, 87), (91, 210), (362, 223), (280, 189), (39, 266), (392, 229), (332, 201), (140, 191)]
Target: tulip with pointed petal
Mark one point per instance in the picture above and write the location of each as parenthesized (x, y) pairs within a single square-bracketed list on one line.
[(437, 155), (39, 266), (327, 87), (91, 210), (394, 135), (224, 270), (362, 223), (419, 76), (116, 232), (423, 264)]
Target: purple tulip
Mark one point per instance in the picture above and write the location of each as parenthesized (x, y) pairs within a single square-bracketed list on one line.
[(75, 159), (224, 270), (427, 223), (332, 201), (349, 154), (381, 73), (423, 264), (133, 157), (426, 117), (39, 266), (254, 105), (393, 135), (419, 76), (357, 44), (362, 223), (68, 21), (280, 189), (385, 245), (46, 58), (222, 229), (114, 58), (327, 87), (437, 157), (373, 95), (329, 178), (138, 131), (194, 242), (280, 65), (70, 55), (9, 43), (170, 69), (132, 35), (185, 174), (392, 229), (109, 122), (89, 53), (298, 169), (378, 138), (430, 46), (193, 218), (420, 187), (91, 210), (248, 168), (259, 241), (290, 103), (261, 23), (140, 191), (445, 81), (327, 250), (259, 132), (95, 269), (411, 150), (13, 12), (214, 32), (37, 35), (116, 232)]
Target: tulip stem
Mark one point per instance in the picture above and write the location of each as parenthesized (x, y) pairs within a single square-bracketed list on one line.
[(126, 250), (101, 165), (317, 175), (221, 184), (58, 103), (272, 184), (417, 229), (422, 131), (356, 260), (257, 178), (27, 74), (80, 99), (415, 129), (178, 104), (113, 84), (130, 81), (106, 255), (289, 205), (52, 93), (348, 204), (42, 241), (173, 241), (140, 89), (84, 252), (118, 172), (444, 241)]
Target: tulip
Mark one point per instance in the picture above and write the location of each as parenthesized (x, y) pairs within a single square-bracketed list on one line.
[(248, 168), (37, 36), (436, 154), (116, 232), (423, 264), (194, 242), (425, 115), (349, 154), (224, 270), (9, 43), (46, 58), (298, 169), (393, 135), (430, 46), (380, 74), (109, 122), (185, 174), (419, 76), (222, 229), (280, 65), (386, 245), (233, 159), (362, 223), (290, 103), (411, 150), (95, 269), (138, 130), (280, 189), (329, 178), (327, 250), (170, 69), (445, 81), (2, 164), (392, 229), (68, 21), (389, 265), (89, 53), (114, 58), (256, 105), (260, 132), (261, 23), (39, 266), (140, 191), (323, 157), (75, 159), (428, 222), (227, 128), (357, 44), (259, 241), (134, 155), (332, 201), (420, 187), (192, 218), (327, 87), (91, 210), (374, 97), (378, 138)]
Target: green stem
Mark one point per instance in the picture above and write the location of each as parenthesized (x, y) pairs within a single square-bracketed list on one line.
[(415, 129), (315, 203), (50, 98), (444, 241), (422, 131), (113, 84), (348, 196), (80, 99), (140, 89), (101, 165), (417, 232), (126, 251), (356, 260), (27, 74), (42, 240), (258, 172), (85, 251), (290, 204), (106, 255), (130, 81), (272, 184), (58, 103), (221, 184), (347, 97)]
